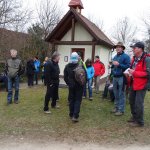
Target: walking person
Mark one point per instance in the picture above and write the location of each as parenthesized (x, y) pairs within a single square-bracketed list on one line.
[(99, 71), (14, 69), (30, 72), (75, 87), (52, 72), (37, 65), (121, 62), (90, 74), (140, 83)]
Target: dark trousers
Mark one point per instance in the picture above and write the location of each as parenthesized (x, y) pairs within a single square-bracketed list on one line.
[(51, 93), (105, 93), (36, 74), (75, 99), (30, 80), (136, 99)]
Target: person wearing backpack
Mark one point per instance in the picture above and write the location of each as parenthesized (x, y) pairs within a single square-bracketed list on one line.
[(99, 71), (90, 74), (140, 83), (75, 78), (14, 69)]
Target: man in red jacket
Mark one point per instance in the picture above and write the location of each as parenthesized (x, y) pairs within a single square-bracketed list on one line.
[(140, 72), (99, 71)]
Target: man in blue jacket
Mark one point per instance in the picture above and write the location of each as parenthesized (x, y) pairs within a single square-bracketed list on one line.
[(37, 65), (121, 62)]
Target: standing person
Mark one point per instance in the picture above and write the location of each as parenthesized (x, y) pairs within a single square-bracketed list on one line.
[(52, 72), (90, 74), (140, 73), (75, 88), (99, 71), (30, 72), (14, 68), (43, 70), (121, 62), (37, 65)]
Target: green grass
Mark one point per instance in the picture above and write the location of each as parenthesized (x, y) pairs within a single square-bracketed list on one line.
[(96, 123)]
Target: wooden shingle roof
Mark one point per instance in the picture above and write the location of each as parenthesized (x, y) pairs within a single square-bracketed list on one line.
[(65, 25)]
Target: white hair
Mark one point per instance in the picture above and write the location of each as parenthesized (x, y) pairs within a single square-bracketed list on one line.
[(13, 53)]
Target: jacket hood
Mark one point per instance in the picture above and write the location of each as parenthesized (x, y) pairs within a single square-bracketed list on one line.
[(71, 65)]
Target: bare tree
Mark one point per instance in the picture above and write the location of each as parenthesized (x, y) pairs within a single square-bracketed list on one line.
[(12, 15), (124, 31), (146, 21), (49, 14)]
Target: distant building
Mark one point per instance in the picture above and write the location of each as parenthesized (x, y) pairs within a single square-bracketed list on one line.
[(76, 33)]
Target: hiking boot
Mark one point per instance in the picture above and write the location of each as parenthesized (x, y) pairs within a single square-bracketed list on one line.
[(114, 110), (56, 107), (9, 103), (16, 102), (131, 120), (47, 112), (75, 120), (136, 124), (119, 113), (91, 98)]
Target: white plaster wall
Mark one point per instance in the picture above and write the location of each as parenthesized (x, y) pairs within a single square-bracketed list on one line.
[(81, 34), (103, 52), (67, 36), (65, 50)]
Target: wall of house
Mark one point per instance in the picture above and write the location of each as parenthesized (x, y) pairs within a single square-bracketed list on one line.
[(65, 50), (67, 36), (81, 34), (104, 54)]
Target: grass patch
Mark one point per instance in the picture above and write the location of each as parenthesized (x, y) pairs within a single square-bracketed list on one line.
[(96, 123)]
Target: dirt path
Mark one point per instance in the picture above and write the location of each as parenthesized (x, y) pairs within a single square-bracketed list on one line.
[(65, 146)]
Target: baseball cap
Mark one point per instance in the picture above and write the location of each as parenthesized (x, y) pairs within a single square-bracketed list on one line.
[(139, 45)]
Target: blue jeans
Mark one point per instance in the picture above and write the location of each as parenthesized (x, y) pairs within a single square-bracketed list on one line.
[(118, 88), (89, 82), (12, 81)]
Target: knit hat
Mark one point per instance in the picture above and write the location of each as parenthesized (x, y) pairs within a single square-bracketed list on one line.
[(74, 58)]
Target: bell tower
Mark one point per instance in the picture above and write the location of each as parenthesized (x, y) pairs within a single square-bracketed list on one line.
[(77, 5)]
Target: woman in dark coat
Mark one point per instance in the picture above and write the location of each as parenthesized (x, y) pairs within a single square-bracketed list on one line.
[(30, 72)]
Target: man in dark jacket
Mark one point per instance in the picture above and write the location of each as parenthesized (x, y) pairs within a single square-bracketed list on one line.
[(140, 73), (75, 89), (120, 63), (14, 68), (30, 72), (52, 72)]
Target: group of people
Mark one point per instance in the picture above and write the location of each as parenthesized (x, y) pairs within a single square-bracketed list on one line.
[(33, 70), (134, 73)]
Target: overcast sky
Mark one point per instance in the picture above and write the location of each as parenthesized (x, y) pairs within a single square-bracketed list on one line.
[(108, 10)]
